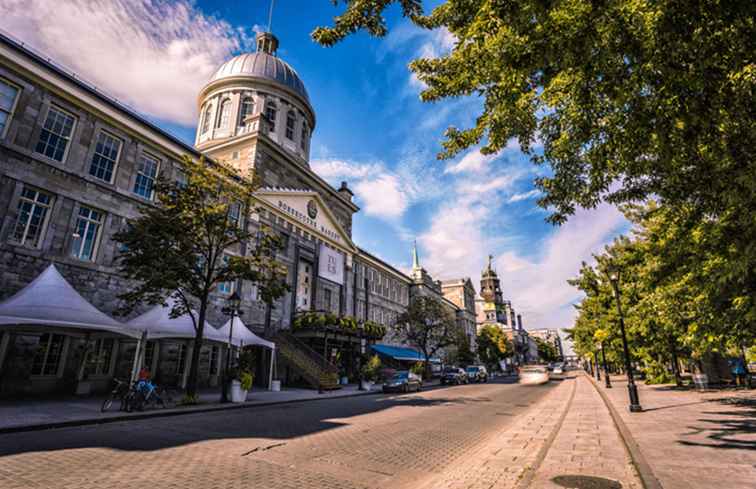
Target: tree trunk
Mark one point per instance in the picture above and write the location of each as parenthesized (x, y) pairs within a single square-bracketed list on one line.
[(426, 370), (675, 365), (191, 382)]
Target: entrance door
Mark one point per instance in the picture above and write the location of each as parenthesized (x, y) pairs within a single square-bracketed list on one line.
[(304, 284)]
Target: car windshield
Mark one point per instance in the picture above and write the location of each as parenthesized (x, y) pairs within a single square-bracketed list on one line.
[(400, 375), (472, 370), (535, 370)]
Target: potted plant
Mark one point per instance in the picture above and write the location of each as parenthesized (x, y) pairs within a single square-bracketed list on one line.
[(370, 372), (241, 385)]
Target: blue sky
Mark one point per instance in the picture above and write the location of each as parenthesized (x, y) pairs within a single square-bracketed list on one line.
[(372, 130)]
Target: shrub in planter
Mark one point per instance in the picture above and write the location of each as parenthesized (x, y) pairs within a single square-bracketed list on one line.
[(418, 369), (371, 369), (246, 379)]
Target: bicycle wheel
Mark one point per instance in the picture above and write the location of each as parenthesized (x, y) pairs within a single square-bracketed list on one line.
[(106, 404)]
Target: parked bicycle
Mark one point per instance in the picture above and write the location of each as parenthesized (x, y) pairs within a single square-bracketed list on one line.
[(121, 392), (146, 394)]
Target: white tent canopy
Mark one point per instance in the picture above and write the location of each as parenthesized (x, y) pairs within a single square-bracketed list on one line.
[(49, 300), (158, 323), (242, 336)]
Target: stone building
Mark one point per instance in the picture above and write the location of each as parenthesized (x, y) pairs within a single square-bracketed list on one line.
[(550, 336), (76, 165), (462, 294)]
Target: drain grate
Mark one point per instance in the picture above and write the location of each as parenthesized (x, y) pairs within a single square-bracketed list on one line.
[(585, 482)]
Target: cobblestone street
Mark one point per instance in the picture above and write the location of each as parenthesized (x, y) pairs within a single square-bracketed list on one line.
[(373, 441)]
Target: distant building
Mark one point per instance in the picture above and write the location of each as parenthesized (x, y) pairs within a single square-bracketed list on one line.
[(549, 336)]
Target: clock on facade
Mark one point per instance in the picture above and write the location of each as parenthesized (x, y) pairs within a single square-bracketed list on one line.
[(312, 209)]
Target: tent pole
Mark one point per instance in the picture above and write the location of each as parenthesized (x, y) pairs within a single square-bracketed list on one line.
[(141, 342), (4, 347), (270, 374)]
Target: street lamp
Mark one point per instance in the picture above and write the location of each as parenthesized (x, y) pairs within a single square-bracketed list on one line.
[(361, 328), (598, 370), (632, 389), (608, 383), (232, 309)]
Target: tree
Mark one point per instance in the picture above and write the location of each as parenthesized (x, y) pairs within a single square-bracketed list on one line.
[(493, 346), (465, 355), (427, 325), (630, 99), (546, 351), (179, 248)]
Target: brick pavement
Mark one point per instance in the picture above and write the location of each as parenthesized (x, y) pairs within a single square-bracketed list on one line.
[(360, 442), (693, 440)]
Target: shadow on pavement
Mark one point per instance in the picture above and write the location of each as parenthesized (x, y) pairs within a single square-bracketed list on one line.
[(277, 422), (724, 433)]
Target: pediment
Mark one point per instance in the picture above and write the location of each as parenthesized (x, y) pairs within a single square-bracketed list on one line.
[(307, 210)]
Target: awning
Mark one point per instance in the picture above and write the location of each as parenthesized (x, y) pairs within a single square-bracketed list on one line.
[(241, 335), (158, 323), (50, 301), (401, 353)]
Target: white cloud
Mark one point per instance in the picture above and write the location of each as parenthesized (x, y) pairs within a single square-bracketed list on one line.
[(524, 196), (154, 55), (380, 191), (472, 161)]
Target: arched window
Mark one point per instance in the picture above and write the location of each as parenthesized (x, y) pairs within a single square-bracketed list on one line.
[(246, 109), (291, 121), (225, 114), (304, 136), (206, 117), (271, 112)]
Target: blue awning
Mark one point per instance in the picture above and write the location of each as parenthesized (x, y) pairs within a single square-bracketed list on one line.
[(400, 353)]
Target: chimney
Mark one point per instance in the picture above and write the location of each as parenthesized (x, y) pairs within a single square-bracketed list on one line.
[(345, 192)]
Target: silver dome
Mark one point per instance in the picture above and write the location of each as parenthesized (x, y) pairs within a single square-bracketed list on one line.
[(262, 65)]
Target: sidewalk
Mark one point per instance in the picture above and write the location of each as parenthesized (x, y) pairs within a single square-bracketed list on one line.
[(692, 440), (30, 415), (568, 433)]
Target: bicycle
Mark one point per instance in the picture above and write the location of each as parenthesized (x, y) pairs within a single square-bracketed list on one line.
[(144, 396), (121, 392)]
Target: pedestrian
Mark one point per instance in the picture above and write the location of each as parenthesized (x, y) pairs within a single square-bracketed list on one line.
[(738, 370)]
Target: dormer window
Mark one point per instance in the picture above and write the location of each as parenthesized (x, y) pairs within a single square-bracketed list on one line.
[(291, 121), (225, 115)]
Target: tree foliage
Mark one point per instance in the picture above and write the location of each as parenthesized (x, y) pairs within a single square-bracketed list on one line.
[(195, 238), (547, 352), (428, 325), (630, 98), (493, 346)]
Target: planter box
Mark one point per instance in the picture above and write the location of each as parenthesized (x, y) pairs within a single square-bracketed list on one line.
[(367, 385), (237, 393)]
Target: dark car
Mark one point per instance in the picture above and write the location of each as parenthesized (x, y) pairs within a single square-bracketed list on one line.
[(453, 376), (477, 373), (403, 381)]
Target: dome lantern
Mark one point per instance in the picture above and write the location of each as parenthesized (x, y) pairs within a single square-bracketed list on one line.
[(267, 43)]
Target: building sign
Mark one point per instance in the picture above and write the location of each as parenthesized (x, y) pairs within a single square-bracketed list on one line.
[(331, 265), (304, 210)]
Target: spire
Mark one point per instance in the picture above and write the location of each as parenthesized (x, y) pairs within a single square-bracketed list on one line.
[(415, 259), (490, 260)]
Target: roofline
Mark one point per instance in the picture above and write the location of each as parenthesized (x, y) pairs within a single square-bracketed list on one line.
[(91, 89), (362, 251)]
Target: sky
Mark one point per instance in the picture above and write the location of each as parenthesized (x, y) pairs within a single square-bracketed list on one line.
[(372, 131)]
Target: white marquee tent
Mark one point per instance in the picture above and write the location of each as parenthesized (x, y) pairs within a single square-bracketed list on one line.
[(49, 301), (242, 336)]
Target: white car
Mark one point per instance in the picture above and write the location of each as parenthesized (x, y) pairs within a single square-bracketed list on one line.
[(534, 375)]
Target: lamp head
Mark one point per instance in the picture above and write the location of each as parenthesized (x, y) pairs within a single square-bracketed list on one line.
[(234, 301)]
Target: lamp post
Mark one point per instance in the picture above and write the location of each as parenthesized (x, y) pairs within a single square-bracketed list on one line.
[(598, 370), (632, 389), (361, 328), (232, 309), (607, 382)]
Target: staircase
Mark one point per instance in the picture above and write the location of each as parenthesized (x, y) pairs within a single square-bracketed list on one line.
[(318, 372)]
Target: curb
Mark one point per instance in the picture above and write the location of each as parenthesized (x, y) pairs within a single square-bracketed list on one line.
[(645, 473), (178, 412)]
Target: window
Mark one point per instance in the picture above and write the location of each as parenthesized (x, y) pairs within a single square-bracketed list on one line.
[(291, 121), (146, 173), (226, 287), (271, 112), (225, 114), (304, 135), (180, 359), (87, 234), (206, 119), (33, 208), (49, 354), (56, 134), (234, 213), (8, 95), (100, 356), (105, 157), (246, 109), (327, 299)]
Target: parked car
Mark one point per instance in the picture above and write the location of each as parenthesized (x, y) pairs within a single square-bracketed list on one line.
[(534, 374), (558, 371), (453, 376), (477, 373), (403, 381)]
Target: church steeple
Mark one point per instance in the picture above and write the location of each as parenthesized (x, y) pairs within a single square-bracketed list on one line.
[(415, 259)]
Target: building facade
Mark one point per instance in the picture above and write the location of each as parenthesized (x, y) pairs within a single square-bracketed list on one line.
[(76, 166)]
